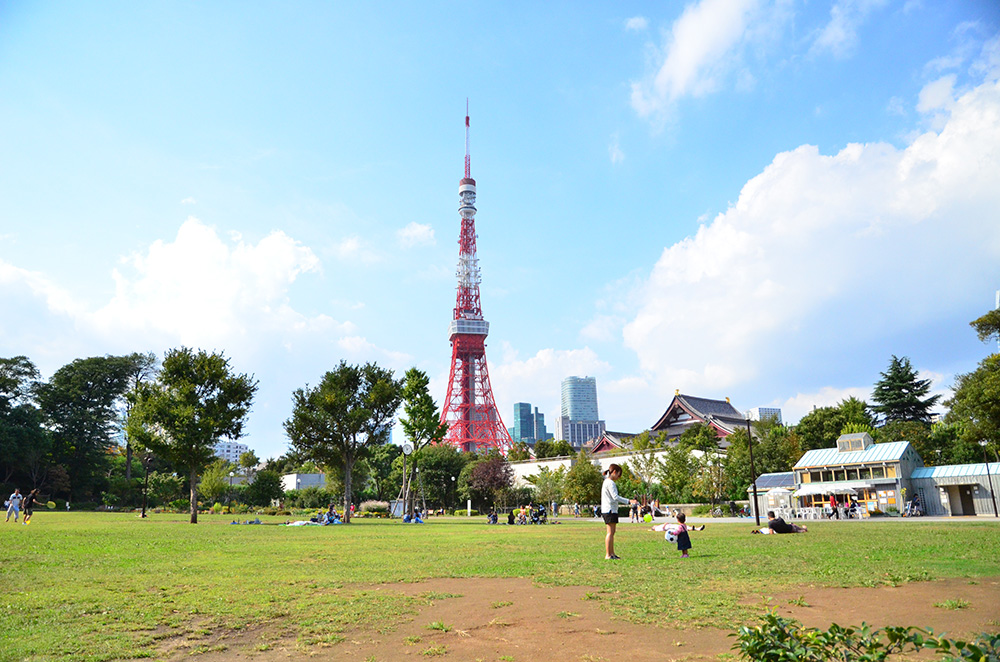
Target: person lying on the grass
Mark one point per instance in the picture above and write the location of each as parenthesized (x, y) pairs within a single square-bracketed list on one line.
[(666, 526), (778, 525)]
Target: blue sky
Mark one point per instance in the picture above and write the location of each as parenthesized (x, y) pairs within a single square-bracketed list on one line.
[(743, 198)]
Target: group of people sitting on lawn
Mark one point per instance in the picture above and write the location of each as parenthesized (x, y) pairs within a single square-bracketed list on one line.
[(322, 518), (527, 514)]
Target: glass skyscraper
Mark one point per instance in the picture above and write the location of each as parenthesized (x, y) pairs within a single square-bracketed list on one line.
[(579, 398)]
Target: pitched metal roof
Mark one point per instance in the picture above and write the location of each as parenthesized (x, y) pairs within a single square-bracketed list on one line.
[(782, 479), (953, 470), (822, 457)]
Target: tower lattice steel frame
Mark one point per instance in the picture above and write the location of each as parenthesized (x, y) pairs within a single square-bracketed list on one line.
[(470, 411)]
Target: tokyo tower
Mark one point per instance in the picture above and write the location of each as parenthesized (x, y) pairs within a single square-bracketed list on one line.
[(469, 409)]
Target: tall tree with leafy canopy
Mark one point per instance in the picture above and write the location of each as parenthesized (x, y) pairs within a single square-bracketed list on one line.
[(421, 423), (900, 396), (351, 410), (976, 403), (81, 404), (582, 483), (139, 368), (644, 461), (22, 434), (194, 401)]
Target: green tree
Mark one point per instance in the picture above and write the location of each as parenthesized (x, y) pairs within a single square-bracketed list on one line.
[(487, 480), (383, 478), (138, 368), (899, 395), (644, 461), (582, 483), (164, 487), (421, 423), (710, 480), (80, 403), (194, 401), (675, 474), (265, 488), (548, 484), (975, 403), (438, 465), (350, 411), (775, 449), (988, 326), (214, 484), (552, 448), (519, 452), (248, 464), (23, 437), (700, 437)]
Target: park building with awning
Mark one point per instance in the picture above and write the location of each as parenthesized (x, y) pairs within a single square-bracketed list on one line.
[(876, 475)]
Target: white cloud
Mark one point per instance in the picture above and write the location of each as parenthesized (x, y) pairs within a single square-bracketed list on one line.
[(353, 249), (800, 404), (615, 152), (199, 289), (701, 48), (822, 252), (636, 23), (537, 379), (840, 35), (937, 95), (604, 328), (188, 201), (416, 234)]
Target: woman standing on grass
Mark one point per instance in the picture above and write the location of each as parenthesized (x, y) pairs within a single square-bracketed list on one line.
[(609, 509)]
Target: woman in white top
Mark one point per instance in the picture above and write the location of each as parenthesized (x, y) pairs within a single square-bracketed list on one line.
[(609, 509)]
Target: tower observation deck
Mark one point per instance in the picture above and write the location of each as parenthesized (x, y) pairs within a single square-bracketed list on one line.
[(469, 408)]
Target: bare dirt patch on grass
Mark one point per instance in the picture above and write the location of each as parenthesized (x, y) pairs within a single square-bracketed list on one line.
[(513, 620)]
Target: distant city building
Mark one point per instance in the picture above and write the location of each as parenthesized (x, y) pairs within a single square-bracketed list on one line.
[(578, 433), (301, 481), (761, 413), (541, 434), (230, 451), (579, 423), (529, 426), (579, 399)]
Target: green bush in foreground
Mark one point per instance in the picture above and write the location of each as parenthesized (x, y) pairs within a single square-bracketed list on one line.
[(780, 639)]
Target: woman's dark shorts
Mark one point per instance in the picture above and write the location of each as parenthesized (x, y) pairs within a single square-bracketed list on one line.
[(610, 518)]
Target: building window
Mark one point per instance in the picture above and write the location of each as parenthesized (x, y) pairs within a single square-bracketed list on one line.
[(827, 476), (839, 475), (878, 472)]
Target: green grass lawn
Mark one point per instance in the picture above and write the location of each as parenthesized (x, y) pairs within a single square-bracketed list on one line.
[(99, 586)]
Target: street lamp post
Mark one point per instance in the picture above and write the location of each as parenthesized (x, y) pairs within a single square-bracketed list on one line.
[(454, 494), (989, 481), (753, 474), (229, 497)]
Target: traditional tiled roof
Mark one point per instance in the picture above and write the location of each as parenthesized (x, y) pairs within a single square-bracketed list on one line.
[(955, 470), (822, 457), (719, 412)]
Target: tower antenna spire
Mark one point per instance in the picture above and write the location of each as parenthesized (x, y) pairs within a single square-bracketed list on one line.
[(468, 157)]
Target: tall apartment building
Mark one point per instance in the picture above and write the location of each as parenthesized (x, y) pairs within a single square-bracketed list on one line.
[(230, 451), (579, 422)]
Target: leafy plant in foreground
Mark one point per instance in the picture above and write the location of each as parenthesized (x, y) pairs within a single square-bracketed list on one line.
[(780, 639)]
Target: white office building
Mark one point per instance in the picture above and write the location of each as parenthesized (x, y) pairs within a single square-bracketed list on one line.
[(761, 413), (230, 451)]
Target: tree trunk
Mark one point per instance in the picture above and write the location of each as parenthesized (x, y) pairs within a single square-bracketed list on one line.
[(128, 461), (348, 468), (194, 496)]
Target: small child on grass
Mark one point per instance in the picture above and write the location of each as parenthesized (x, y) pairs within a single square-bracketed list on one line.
[(680, 531)]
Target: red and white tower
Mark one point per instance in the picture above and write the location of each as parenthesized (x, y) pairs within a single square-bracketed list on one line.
[(469, 409)]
